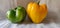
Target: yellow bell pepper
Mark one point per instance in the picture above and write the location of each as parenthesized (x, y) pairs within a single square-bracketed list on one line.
[(36, 12)]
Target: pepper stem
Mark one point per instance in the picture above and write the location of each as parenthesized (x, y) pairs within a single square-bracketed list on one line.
[(38, 2)]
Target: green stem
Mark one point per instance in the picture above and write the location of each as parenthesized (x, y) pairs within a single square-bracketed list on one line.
[(38, 2)]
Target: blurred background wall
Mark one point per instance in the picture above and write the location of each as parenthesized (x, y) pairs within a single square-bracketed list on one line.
[(23, 2)]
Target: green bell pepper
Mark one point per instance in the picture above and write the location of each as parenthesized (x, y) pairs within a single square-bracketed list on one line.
[(16, 15)]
